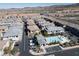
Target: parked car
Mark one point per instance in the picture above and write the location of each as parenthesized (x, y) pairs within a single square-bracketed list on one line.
[(31, 44), (31, 41)]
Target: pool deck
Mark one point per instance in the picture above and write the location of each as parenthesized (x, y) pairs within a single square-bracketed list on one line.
[(60, 39), (47, 46)]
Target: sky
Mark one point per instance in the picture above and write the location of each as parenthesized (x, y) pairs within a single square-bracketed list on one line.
[(21, 5)]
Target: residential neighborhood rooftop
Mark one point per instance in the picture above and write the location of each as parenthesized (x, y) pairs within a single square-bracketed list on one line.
[(13, 31)]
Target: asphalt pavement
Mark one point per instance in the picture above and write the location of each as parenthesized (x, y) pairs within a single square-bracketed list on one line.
[(25, 45)]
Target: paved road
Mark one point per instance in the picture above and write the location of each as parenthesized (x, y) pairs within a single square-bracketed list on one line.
[(71, 52), (25, 46)]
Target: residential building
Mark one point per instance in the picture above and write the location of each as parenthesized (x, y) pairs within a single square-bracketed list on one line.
[(54, 30), (41, 40), (3, 28), (13, 33), (11, 27), (30, 22), (33, 29)]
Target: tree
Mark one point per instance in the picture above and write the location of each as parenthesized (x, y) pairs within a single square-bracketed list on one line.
[(15, 50), (8, 49)]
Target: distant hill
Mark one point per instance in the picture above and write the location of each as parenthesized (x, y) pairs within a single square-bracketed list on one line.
[(39, 9)]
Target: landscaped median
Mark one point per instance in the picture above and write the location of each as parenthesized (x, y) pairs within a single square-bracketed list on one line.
[(38, 53)]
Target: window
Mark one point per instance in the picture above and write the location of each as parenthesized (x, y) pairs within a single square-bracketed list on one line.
[(2, 29), (56, 31), (17, 36)]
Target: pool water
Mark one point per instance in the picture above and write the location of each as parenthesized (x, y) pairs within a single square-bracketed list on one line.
[(55, 39)]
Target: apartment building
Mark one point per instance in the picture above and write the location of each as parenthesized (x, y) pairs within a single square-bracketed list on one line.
[(30, 22), (54, 30), (3, 28), (32, 27), (13, 33), (11, 27)]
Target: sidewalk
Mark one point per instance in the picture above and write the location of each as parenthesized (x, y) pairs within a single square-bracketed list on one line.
[(77, 46)]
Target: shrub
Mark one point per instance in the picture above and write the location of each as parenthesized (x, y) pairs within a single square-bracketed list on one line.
[(45, 33), (14, 50)]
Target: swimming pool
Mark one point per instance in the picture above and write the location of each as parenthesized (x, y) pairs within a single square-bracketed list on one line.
[(55, 39)]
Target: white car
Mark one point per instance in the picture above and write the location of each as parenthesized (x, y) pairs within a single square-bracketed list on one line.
[(31, 41), (31, 44)]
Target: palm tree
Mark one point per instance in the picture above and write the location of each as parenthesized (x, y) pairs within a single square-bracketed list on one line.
[(8, 49)]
